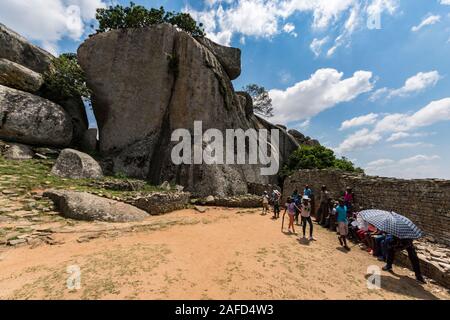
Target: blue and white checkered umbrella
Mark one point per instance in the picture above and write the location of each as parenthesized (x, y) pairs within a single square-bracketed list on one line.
[(392, 223)]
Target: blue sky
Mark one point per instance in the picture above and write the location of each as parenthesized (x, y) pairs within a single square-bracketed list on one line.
[(379, 96)]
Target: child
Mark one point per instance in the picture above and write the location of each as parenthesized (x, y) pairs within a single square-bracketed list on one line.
[(341, 218), (305, 212), (291, 207), (265, 203)]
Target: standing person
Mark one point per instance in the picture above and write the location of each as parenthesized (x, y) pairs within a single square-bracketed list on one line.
[(305, 211), (341, 218), (290, 208), (265, 203), (403, 244), (307, 192), (324, 205), (349, 199), (297, 201), (276, 204)]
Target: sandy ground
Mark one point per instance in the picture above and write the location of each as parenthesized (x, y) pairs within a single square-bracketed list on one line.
[(220, 254)]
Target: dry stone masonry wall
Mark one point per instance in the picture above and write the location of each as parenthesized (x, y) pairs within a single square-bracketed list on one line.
[(425, 202)]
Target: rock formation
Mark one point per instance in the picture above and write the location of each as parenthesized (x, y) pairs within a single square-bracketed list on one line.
[(30, 119), (76, 165), (22, 66), (148, 82), (85, 206)]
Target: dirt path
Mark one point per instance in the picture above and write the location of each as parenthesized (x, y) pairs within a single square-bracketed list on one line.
[(221, 254)]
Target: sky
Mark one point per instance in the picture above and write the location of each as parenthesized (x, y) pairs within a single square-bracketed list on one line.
[(369, 79)]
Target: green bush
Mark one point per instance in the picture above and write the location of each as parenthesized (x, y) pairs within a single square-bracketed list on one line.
[(136, 16), (316, 157), (65, 78)]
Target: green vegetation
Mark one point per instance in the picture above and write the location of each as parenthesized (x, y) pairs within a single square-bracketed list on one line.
[(262, 103), (317, 157), (65, 79), (136, 16), (25, 176)]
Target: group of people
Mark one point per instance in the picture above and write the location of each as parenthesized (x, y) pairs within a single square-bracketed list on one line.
[(339, 216)]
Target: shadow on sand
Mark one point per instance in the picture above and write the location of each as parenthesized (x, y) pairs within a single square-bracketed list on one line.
[(404, 285)]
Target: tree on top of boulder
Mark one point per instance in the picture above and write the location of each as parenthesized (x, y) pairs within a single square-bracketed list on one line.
[(136, 16), (317, 157), (65, 78), (262, 103)]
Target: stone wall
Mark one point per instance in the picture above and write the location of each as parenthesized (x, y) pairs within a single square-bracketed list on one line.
[(425, 202)]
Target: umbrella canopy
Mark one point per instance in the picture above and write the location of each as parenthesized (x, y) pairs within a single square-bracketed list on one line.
[(392, 223)]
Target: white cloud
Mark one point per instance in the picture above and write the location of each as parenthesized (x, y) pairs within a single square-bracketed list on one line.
[(48, 21), (427, 22), (414, 84), (380, 163), (418, 159), (412, 145), (359, 121), (323, 90), (414, 167), (398, 136), (266, 18), (317, 44), (289, 28), (359, 140), (445, 2)]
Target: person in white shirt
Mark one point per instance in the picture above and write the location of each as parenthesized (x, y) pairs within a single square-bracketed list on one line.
[(305, 212)]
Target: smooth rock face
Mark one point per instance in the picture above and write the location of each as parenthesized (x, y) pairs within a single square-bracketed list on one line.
[(89, 140), (15, 76), (16, 48), (229, 58), (76, 165), (17, 151), (30, 119), (85, 206), (149, 82)]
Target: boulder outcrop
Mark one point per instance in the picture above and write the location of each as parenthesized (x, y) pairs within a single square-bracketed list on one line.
[(151, 81), (17, 151), (16, 76), (88, 207), (30, 119), (17, 49), (76, 165)]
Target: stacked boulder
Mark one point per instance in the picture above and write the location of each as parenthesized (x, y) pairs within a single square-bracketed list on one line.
[(28, 114), (148, 82)]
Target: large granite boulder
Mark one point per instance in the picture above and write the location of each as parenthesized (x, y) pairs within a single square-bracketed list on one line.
[(230, 58), (88, 207), (17, 151), (16, 48), (30, 119), (76, 165), (148, 82), (16, 76)]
